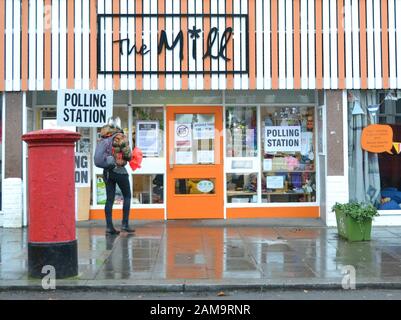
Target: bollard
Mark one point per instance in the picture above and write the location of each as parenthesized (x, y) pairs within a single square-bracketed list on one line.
[(51, 202)]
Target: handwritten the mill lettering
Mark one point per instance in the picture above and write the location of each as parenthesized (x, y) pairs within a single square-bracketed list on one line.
[(187, 45)]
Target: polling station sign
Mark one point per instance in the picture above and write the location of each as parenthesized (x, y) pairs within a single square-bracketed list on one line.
[(84, 108), (82, 174), (282, 138)]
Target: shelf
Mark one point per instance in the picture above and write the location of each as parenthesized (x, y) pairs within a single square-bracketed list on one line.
[(293, 171), (287, 193), (241, 193)]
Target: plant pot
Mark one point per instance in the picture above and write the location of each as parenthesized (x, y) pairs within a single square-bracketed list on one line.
[(351, 229)]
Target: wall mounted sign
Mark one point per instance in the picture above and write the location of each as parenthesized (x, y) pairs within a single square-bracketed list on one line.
[(283, 138), (377, 138), (84, 108), (147, 137), (199, 43)]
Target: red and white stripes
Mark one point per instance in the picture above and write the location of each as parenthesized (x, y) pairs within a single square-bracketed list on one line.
[(292, 44)]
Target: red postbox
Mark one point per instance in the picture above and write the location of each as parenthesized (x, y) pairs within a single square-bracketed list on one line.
[(51, 202)]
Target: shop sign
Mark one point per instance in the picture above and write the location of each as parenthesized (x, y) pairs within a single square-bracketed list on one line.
[(201, 44), (183, 135), (377, 138), (205, 186), (283, 139), (82, 175), (203, 130), (147, 137), (84, 108)]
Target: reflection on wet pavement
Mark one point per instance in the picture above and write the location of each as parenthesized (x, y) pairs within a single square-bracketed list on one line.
[(177, 250)]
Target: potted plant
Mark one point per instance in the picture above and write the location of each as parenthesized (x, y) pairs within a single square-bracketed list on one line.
[(354, 220)]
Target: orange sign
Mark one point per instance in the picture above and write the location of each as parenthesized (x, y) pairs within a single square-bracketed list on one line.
[(377, 138)]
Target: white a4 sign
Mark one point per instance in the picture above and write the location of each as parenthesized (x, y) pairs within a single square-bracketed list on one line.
[(84, 108), (282, 138)]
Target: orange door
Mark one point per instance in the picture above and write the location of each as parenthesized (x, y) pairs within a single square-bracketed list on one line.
[(194, 163)]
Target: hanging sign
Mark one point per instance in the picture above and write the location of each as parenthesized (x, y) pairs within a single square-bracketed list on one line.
[(183, 135), (82, 175), (147, 137), (283, 138), (377, 138), (84, 108), (203, 130)]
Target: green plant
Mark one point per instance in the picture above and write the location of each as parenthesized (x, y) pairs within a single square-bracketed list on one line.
[(359, 211)]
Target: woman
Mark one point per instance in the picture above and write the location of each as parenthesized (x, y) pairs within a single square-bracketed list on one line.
[(117, 175)]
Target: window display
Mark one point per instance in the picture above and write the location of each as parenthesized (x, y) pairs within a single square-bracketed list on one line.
[(242, 188), (194, 186), (241, 132), (288, 154), (148, 189)]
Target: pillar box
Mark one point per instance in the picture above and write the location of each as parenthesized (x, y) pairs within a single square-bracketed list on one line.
[(51, 202)]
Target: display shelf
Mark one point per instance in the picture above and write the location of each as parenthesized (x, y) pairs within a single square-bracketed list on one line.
[(292, 171)]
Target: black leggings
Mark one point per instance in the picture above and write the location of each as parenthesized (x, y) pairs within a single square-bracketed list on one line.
[(111, 179)]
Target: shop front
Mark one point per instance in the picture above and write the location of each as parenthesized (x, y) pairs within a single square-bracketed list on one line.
[(240, 107), (242, 154)]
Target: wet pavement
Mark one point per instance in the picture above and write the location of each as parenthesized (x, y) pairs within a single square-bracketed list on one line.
[(194, 252)]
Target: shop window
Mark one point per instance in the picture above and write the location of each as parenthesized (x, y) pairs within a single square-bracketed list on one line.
[(241, 132), (374, 177), (288, 154), (148, 189), (148, 130), (390, 162), (242, 188), (101, 194)]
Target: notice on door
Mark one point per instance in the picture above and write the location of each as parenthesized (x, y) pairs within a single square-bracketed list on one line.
[(147, 137), (84, 108), (203, 130), (82, 175), (282, 138), (183, 135)]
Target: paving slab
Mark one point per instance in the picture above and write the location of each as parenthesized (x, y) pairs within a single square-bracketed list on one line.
[(198, 255)]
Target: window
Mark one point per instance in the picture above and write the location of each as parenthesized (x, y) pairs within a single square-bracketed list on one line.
[(148, 189), (148, 130), (241, 132), (241, 148), (194, 139), (288, 154)]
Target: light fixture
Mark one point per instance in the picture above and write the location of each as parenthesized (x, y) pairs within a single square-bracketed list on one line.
[(391, 96), (357, 108), (373, 109)]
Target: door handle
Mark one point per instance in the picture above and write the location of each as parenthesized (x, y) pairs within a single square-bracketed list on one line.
[(171, 159)]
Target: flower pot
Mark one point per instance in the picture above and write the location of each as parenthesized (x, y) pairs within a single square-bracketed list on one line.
[(351, 229)]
